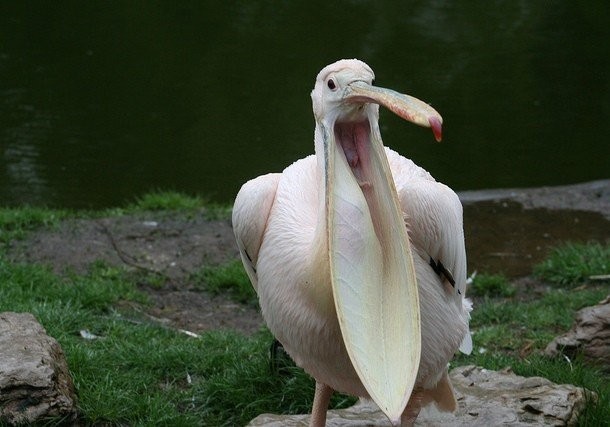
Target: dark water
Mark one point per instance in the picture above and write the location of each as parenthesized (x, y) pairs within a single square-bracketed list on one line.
[(503, 237), (102, 101)]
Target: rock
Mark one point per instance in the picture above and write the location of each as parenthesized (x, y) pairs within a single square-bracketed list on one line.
[(34, 378), (486, 398), (589, 335), (490, 398), (593, 196)]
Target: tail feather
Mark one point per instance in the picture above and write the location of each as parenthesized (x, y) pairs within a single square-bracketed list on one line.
[(442, 395)]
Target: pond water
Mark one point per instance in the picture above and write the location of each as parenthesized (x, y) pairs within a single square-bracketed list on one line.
[(504, 237), (103, 101)]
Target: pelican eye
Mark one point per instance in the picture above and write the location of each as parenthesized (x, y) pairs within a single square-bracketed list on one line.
[(331, 84)]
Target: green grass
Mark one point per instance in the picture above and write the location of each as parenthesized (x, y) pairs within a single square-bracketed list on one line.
[(15, 223), (228, 279), (141, 373), (574, 263), (137, 372), (491, 285), (174, 201), (167, 200), (508, 326)]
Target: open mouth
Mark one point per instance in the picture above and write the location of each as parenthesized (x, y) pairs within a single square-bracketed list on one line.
[(353, 138)]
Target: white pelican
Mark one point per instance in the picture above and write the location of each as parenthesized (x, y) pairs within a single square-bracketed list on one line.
[(357, 255)]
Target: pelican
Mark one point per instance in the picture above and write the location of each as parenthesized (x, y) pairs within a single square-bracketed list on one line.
[(357, 255)]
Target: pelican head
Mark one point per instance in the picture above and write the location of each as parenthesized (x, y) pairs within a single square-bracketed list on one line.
[(371, 267), (345, 90)]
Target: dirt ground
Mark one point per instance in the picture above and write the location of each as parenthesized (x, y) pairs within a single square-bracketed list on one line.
[(506, 231), (168, 246)]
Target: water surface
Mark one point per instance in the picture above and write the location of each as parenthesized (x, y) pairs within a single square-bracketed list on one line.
[(102, 101), (504, 237)]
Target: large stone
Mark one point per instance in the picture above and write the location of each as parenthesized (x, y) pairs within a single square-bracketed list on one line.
[(34, 378), (486, 398), (589, 335)]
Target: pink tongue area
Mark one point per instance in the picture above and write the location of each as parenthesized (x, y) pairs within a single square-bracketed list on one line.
[(353, 139)]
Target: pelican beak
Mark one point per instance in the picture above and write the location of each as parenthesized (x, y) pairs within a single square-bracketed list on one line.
[(372, 272), (405, 106)]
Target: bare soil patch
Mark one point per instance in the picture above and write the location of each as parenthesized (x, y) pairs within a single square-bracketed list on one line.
[(169, 246)]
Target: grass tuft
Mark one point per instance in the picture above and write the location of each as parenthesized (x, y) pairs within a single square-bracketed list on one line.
[(167, 200), (246, 386), (16, 222), (574, 263), (491, 285), (228, 279), (174, 201)]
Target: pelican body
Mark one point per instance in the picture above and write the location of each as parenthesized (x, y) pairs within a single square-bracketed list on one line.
[(357, 255)]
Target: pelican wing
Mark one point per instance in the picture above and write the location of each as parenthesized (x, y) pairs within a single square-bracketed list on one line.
[(250, 214), (433, 213), (434, 216)]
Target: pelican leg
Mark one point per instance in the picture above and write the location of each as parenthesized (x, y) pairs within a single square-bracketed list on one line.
[(412, 409), (321, 399)]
